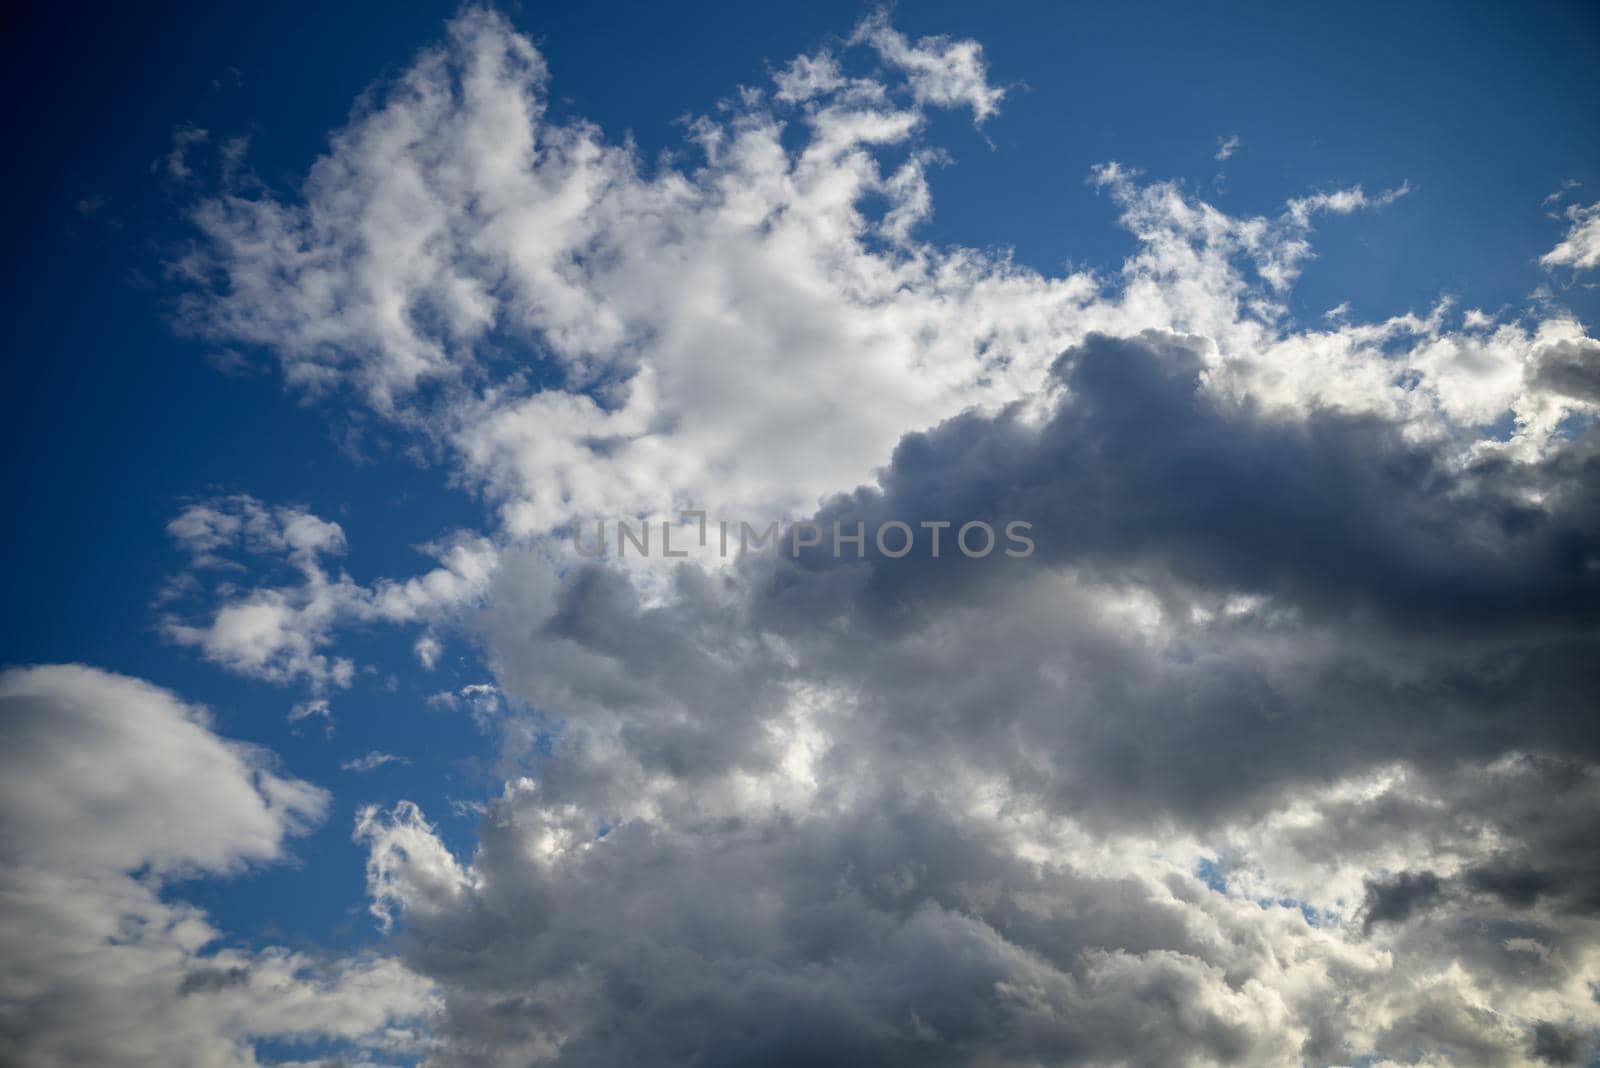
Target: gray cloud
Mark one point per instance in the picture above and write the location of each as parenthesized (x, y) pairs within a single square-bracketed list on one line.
[(1395, 900), (1278, 750), (1572, 368), (778, 813), (1141, 474)]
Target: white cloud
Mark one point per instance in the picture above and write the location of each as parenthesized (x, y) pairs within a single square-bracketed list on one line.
[(731, 336), (125, 807), (428, 650), (317, 706), (482, 700), (408, 867), (1343, 201), (1580, 249), (1227, 146), (280, 633), (112, 786), (941, 71), (372, 761), (807, 77)]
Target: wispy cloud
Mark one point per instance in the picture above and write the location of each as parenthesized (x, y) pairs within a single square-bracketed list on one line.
[(372, 761), (1580, 248)]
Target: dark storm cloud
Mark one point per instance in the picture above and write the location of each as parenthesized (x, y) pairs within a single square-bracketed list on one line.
[(1394, 900), (1408, 606), (211, 980), (1571, 368), (1140, 473), (867, 936), (1404, 609), (1557, 1045)]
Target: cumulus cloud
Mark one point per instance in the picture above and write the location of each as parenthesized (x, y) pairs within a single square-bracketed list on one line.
[(939, 70), (481, 700), (737, 335), (111, 787), (1276, 751), (280, 632)]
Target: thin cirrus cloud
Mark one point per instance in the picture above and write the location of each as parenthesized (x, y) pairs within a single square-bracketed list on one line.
[(1276, 752), (372, 761)]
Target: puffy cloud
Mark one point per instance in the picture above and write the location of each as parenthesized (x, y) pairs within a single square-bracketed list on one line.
[(111, 787), (91, 784), (913, 811), (1276, 751), (940, 71), (204, 527), (808, 76), (1238, 639), (1571, 368), (279, 633), (708, 329), (1580, 249), (744, 334), (955, 927)]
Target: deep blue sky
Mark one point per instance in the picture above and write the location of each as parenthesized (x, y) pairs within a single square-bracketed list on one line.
[(111, 420)]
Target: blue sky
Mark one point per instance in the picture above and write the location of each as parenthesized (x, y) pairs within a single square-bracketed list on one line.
[(118, 416)]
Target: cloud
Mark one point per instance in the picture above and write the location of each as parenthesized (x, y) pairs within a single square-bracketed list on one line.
[(482, 701), (112, 787), (1567, 186), (1395, 900), (1312, 612), (306, 709), (176, 162), (736, 335), (941, 71), (807, 77), (1226, 147), (1344, 201), (1570, 368), (1333, 513), (428, 650), (92, 205), (1580, 249), (279, 632), (372, 762), (901, 929), (963, 800)]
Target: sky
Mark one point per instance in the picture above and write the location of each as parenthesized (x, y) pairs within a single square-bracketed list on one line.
[(1273, 325)]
